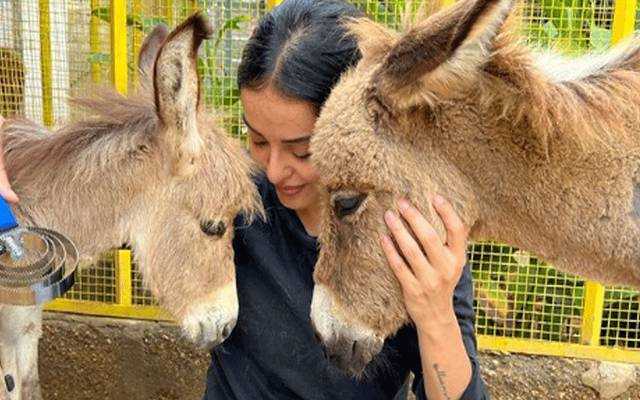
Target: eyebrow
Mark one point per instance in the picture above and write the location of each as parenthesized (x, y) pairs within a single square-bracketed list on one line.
[(300, 139)]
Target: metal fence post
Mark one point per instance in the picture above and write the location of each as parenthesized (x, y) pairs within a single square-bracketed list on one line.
[(624, 20), (45, 61), (119, 76), (272, 3), (119, 70), (592, 313), (123, 277)]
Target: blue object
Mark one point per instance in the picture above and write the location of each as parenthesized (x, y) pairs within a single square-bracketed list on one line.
[(7, 220)]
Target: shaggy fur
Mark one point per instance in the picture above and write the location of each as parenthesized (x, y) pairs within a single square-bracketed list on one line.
[(152, 170), (529, 153)]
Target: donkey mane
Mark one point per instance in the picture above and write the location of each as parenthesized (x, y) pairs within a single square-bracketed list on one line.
[(114, 123), (570, 100), (563, 99)]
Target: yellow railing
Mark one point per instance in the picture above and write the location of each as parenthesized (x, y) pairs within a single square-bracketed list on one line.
[(123, 306), (116, 291), (624, 21)]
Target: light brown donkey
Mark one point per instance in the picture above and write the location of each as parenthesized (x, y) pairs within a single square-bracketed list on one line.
[(532, 150), (153, 170)]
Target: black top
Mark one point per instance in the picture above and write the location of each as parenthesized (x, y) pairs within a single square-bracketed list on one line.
[(273, 354)]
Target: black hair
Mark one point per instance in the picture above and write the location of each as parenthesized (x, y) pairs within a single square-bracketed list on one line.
[(301, 48)]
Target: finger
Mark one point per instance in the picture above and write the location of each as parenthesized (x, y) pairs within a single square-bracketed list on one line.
[(425, 233), (456, 230), (5, 190), (407, 245), (398, 266)]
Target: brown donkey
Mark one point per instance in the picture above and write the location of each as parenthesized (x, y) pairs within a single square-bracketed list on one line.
[(153, 170), (532, 150)]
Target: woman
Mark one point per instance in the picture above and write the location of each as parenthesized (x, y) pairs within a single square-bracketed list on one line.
[(293, 59)]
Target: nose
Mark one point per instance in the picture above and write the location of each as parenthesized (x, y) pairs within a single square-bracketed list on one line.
[(277, 168)]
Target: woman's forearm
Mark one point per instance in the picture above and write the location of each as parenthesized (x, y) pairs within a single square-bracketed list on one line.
[(446, 366)]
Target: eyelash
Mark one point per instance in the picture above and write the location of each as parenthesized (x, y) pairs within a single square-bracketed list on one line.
[(302, 157), (299, 157)]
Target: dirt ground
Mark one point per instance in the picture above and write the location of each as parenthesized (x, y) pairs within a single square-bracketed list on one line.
[(101, 358)]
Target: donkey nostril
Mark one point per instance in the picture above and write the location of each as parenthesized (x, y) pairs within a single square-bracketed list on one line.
[(213, 228), (226, 331), (8, 380)]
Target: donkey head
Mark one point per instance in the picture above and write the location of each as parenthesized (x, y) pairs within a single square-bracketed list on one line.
[(182, 227), (153, 170), (376, 141)]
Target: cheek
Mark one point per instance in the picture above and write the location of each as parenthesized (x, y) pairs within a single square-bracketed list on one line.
[(309, 173)]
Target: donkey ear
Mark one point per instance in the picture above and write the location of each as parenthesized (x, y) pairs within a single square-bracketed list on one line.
[(374, 40), (177, 88), (148, 54), (439, 58)]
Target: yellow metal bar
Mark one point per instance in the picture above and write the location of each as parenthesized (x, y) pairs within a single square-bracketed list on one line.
[(94, 41), (624, 19), (558, 349), (272, 3), (108, 310), (119, 45), (123, 277), (592, 313), (45, 63)]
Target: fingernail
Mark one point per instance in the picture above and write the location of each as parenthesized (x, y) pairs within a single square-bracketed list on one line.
[(403, 204), (438, 200), (389, 216)]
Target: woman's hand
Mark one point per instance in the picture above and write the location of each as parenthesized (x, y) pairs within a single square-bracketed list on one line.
[(5, 188), (430, 269)]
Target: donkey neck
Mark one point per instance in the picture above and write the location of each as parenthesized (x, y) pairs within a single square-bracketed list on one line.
[(572, 207), (80, 184)]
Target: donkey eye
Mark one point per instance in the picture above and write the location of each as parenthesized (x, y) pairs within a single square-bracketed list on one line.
[(347, 203), (213, 228)]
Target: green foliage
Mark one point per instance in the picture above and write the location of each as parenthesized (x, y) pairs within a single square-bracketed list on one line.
[(621, 319), (142, 23), (219, 86), (571, 26), (519, 296)]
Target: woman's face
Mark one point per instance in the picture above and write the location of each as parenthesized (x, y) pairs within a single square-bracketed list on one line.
[(279, 130)]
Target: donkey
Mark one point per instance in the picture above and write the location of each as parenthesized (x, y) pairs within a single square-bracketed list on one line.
[(152, 170), (531, 150)]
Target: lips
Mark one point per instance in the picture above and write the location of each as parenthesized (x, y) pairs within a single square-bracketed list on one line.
[(290, 190)]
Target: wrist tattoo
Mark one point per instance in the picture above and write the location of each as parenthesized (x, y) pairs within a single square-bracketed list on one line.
[(441, 374)]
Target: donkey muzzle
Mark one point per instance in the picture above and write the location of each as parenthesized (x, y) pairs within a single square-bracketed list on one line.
[(347, 345)]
